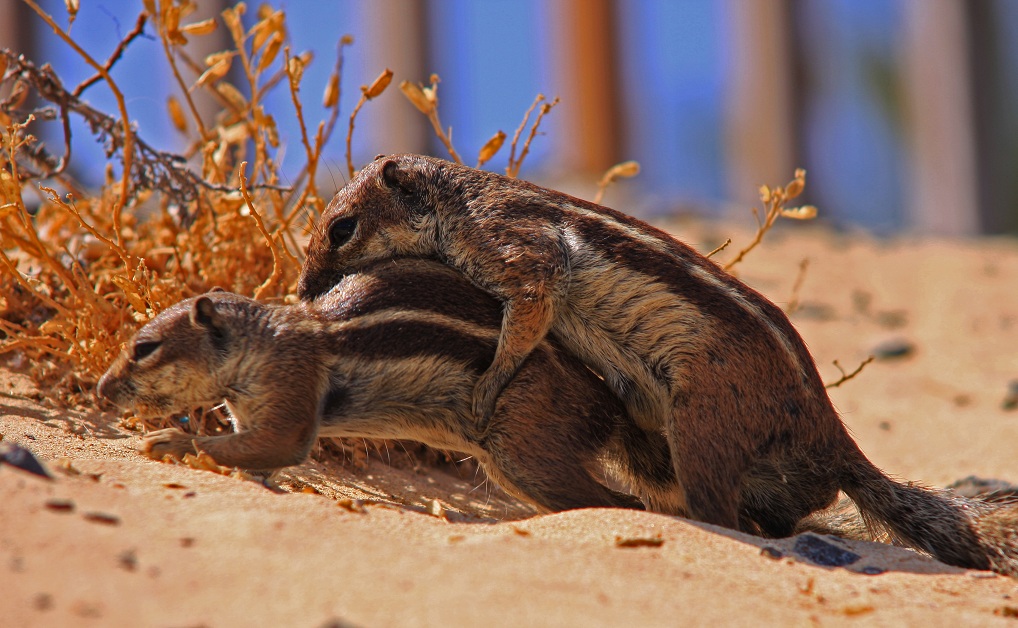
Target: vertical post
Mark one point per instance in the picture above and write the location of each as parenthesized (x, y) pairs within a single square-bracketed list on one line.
[(760, 132), (395, 36), (944, 189), (200, 47), (15, 30), (587, 78), (998, 196)]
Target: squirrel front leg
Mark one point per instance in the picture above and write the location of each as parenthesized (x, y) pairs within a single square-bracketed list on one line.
[(525, 322), (272, 433), (527, 268)]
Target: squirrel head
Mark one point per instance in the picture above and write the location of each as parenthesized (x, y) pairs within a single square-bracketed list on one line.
[(386, 211), (178, 360)]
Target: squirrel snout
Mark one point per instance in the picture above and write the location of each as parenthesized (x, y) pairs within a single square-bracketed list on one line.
[(105, 389)]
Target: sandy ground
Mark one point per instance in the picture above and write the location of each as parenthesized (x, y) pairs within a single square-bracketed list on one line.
[(118, 540)]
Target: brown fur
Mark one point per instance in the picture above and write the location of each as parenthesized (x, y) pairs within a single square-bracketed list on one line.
[(694, 354), (391, 352)]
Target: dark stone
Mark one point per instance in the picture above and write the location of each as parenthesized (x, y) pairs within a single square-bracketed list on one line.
[(820, 552), (19, 457)]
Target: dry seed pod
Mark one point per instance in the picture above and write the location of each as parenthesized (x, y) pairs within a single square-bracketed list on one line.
[(204, 27), (269, 24), (491, 147), (214, 73), (271, 50), (232, 96), (171, 19), (415, 94), (187, 8), (806, 212), (797, 185), (72, 10), (295, 67), (216, 57), (626, 170), (765, 194), (232, 18), (379, 85), (176, 114), (331, 96), (271, 131)]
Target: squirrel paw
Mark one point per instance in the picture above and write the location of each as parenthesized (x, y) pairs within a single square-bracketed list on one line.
[(172, 442)]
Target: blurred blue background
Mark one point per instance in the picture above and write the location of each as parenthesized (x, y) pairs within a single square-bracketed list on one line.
[(903, 112)]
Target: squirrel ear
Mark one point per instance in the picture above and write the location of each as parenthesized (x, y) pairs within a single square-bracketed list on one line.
[(392, 176), (217, 289), (203, 312)]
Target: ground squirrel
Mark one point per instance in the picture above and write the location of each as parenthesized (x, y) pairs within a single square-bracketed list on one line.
[(392, 352), (694, 353)]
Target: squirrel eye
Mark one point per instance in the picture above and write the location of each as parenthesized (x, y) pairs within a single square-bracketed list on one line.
[(340, 231), (145, 349)]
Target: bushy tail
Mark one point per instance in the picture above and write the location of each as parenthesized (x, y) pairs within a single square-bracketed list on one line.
[(965, 532)]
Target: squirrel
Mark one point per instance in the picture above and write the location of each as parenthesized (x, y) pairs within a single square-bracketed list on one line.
[(392, 352), (693, 353)]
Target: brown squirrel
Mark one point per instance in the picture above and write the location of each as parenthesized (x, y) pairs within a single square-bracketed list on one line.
[(694, 353), (391, 352)]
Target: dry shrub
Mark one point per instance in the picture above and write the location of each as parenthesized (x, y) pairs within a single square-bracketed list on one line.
[(81, 270)]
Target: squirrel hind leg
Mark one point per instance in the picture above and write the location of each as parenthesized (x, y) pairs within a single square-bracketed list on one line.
[(776, 503)]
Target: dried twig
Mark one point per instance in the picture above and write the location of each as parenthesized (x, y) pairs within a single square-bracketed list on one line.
[(426, 101), (720, 248), (151, 169), (137, 31), (774, 204), (125, 122), (793, 303), (368, 92), (277, 267), (847, 376), (513, 169), (626, 169)]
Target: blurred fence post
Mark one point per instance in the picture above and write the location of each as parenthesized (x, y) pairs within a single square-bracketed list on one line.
[(395, 36), (587, 78), (15, 31), (943, 195), (198, 48), (996, 152), (760, 131)]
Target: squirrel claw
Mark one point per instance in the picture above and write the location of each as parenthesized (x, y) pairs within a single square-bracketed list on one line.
[(171, 441)]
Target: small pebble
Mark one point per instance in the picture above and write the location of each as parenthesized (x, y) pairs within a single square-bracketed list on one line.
[(101, 517), (893, 349), (60, 505), (1011, 398)]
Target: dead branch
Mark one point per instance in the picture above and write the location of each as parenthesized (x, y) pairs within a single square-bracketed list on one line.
[(847, 376), (151, 169)]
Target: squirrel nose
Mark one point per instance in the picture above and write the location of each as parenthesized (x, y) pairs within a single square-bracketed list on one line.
[(103, 388)]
